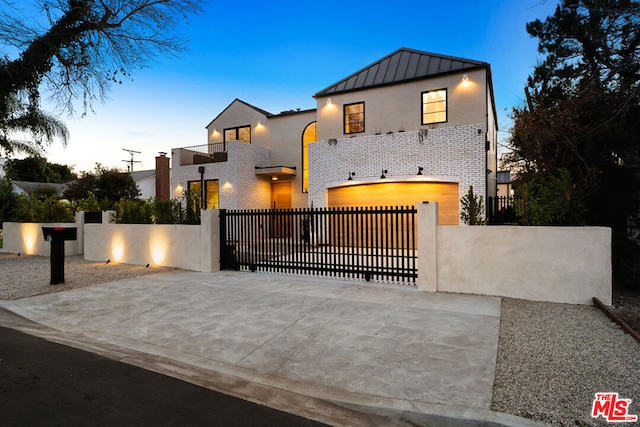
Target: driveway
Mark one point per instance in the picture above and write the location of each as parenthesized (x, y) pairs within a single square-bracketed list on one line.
[(320, 348)]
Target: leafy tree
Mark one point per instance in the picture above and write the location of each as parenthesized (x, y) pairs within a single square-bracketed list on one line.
[(74, 50), (24, 128), (37, 169), (8, 201), (82, 188), (113, 185), (78, 48), (108, 186), (42, 207), (550, 200), (580, 126)]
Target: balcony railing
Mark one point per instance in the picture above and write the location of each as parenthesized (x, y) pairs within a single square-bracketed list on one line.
[(208, 153)]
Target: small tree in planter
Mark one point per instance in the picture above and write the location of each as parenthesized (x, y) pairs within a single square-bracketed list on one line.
[(472, 207)]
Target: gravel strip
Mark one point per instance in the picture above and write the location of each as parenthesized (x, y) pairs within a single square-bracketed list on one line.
[(25, 276), (552, 358)]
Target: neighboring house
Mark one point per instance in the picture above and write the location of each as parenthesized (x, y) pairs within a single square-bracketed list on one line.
[(411, 127), (27, 188), (505, 185), (154, 182), (146, 182)]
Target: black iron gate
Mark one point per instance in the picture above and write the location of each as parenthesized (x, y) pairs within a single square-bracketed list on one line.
[(362, 243)]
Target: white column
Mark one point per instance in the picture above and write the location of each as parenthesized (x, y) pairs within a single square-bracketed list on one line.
[(427, 246)]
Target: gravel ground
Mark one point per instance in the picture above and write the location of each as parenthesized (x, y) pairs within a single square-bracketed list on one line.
[(552, 358), (26, 276)]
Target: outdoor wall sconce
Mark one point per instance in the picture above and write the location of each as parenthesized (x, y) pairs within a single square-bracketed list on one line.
[(259, 124), (384, 174), (465, 77), (351, 175), (420, 169), (329, 101)]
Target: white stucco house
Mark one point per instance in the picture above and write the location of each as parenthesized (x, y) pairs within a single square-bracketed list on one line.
[(413, 126)]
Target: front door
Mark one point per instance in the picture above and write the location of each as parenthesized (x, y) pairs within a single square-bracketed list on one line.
[(280, 199)]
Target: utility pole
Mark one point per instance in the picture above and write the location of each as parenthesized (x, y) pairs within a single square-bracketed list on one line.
[(131, 161)]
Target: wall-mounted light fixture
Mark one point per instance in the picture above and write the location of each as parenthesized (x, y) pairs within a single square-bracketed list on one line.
[(384, 174), (351, 175), (420, 169), (329, 101), (259, 124), (465, 77), (274, 178)]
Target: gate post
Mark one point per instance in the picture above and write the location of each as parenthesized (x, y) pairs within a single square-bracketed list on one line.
[(427, 246), (210, 240)]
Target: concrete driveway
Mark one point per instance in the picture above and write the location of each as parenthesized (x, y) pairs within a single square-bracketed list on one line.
[(339, 352)]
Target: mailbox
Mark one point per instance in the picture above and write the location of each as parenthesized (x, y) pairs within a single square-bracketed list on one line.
[(57, 236)]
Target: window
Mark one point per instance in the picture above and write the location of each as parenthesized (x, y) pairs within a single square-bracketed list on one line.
[(242, 133), (434, 106), (309, 135), (211, 194), (354, 118)]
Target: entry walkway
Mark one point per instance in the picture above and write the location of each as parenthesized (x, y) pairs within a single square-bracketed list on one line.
[(325, 349)]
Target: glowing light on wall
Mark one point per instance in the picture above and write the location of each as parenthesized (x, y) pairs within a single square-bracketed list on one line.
[(30, 234), (117, 247), (466, 82), (158, 246)]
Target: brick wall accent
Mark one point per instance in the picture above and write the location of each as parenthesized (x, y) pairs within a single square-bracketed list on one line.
[(448, 154)]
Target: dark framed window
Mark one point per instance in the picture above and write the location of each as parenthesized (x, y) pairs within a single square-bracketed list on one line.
[(240, 133), (309, 135), (354, 118), (434, 106), (211, 194)]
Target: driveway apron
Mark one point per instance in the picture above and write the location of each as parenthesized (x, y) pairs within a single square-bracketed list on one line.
[(375, 345)]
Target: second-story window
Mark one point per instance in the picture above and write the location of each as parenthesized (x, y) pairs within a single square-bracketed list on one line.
[(354, 117), (434, 106), (241, 133)]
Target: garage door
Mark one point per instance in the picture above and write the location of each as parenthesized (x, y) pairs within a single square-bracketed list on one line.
[(401, 194)]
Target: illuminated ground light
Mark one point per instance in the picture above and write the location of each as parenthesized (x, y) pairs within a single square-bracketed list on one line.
[(158, 246), (117, 248), (30, 234)]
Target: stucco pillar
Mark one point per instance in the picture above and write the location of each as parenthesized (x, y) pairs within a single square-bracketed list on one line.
[(210, 240), (427, 246)]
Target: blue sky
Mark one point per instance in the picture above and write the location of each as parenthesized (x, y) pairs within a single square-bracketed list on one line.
[(276, 55)]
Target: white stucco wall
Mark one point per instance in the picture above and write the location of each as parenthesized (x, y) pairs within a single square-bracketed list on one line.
[(190, 247), (449, 154), (28, 239), (555, 264)]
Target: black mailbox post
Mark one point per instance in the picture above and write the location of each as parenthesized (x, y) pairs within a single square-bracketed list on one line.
[(57, 236)]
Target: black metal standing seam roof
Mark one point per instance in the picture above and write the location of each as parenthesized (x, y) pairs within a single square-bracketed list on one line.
[(401, 66)]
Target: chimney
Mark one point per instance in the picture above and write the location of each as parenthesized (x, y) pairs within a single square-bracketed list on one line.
[(163, 180)]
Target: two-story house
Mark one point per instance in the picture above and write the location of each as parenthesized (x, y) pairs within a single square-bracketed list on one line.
[(411, 127)]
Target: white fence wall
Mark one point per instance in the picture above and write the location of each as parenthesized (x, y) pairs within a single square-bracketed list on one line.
[(556, 264), (190, 247), (28, 239)]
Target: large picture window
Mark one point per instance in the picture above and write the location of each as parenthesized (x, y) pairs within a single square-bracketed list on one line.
[(211, 193), (241, 133), (354, 118), (434, 106), (309, 135)]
